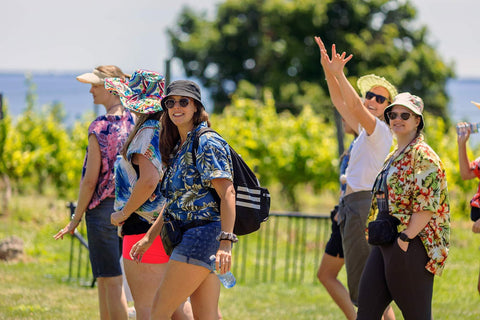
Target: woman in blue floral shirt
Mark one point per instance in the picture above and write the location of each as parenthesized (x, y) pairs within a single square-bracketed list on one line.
[(207, 225), (138, 172)]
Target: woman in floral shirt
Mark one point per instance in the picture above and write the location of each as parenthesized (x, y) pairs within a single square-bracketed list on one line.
[(403, 271), (106, 136)]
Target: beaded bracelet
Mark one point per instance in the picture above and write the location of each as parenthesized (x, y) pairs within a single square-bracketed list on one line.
[(227, 236)]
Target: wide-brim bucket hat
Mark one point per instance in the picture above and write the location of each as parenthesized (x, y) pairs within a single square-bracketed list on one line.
[(370, 81), (184, 88), (410, 101), (141, 93)]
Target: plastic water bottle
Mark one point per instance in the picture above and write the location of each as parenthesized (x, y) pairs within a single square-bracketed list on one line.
[(227, 279), (474, 128)]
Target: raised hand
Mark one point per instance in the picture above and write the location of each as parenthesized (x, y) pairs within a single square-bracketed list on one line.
[(463, 132), (324, 59), (336, 63)]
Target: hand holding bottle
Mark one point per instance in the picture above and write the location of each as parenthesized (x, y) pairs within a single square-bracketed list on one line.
[(227, 279)]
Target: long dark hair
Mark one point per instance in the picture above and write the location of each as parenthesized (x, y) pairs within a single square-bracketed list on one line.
[(140, 121), (169, 135)]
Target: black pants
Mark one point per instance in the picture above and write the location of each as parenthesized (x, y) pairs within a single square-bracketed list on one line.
[(392, 274)]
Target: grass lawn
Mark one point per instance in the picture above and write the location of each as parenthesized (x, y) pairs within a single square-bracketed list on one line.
[(35, 287)]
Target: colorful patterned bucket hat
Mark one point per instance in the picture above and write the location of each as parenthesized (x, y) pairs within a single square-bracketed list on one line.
[(142, 93)]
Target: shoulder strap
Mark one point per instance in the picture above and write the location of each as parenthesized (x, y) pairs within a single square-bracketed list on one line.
[(196, 141)]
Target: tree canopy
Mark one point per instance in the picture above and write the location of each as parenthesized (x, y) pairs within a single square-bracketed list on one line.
[(270, 44)]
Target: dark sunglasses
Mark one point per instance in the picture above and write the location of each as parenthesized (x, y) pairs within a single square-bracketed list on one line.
[(404, 115), (183, 102), (370, 95)]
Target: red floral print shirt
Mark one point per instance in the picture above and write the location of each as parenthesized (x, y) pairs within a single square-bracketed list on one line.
[(417, 182)]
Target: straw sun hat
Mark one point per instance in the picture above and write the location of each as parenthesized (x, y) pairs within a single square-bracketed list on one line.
[(370, 81)]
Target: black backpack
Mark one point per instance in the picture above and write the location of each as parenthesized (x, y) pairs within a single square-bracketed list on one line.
[(252, 202)]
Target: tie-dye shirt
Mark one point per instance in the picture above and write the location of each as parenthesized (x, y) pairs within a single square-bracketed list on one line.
[(186, 187), (417, 182), (111, 133), (146, 143)]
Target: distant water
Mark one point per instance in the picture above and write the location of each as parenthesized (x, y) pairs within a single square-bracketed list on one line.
[(461, 92), (50, 88), (76, 99)]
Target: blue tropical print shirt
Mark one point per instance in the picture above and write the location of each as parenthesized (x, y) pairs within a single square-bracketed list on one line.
[(186, 187), (145, 143)]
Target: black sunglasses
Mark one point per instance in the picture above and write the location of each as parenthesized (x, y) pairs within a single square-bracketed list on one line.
[(393, 115), (183, 102), (370, 95)]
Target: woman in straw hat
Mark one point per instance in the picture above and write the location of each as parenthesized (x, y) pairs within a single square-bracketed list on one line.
[(366, 158), (138, 198), (207, 227), (469, 170), (106, 136), (412, 190)]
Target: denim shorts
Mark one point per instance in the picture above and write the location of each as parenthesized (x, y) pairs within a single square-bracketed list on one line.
[(198, 245), (104, 244)]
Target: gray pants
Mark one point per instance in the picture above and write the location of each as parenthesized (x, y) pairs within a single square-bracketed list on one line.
[(353, 213)]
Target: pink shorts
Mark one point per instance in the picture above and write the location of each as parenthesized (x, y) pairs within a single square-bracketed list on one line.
[(154, 254)]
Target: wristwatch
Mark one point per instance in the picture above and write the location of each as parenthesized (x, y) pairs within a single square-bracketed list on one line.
[(404, 237)]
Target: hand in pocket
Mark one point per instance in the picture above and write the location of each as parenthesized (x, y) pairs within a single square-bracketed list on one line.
[(402, 245)]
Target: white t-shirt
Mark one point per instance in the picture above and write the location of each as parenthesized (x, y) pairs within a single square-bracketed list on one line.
[(367, 156)]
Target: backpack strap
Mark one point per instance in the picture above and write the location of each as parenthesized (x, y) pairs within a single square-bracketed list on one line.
[(194, 156), (196, 142)]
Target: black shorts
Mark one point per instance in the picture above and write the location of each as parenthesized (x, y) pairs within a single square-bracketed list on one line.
[(334, 245), (475, 214)]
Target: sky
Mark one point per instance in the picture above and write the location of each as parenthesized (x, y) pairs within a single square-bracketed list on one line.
[(62, 36)]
